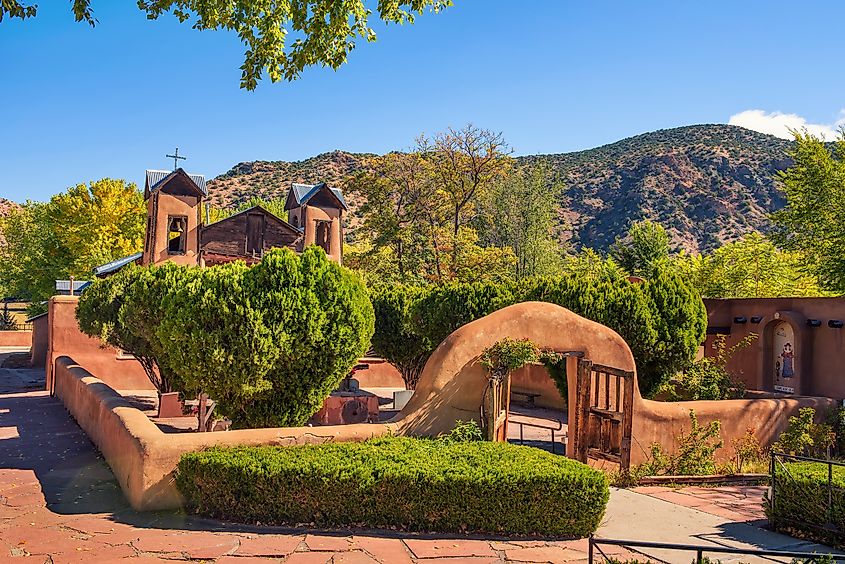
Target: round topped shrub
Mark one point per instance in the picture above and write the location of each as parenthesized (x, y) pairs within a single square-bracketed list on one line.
[(269, 343)]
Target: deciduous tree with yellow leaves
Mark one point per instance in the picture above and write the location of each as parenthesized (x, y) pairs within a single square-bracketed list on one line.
[(77, 230)]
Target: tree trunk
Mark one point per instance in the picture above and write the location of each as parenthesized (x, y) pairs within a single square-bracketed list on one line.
[(399, 256)]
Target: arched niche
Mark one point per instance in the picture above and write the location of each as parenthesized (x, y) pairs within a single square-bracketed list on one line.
[(787, 356)]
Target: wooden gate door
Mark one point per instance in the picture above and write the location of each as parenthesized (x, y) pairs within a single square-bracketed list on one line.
[(603, 414)]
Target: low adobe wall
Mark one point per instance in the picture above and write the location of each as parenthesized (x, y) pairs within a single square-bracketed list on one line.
[(661, 422), (378, 374), (40, 341), (121, 372), (143, 458), (15, 338), (535, 378)]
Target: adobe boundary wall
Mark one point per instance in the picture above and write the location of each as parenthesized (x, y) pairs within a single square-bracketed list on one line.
[(452, 383), (816, 334), (16, 339), (661, 422), (121, 372), (451, 388), (143, 458), (40, 341)]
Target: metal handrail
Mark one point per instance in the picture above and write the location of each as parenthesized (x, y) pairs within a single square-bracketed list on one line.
[(808, 458), (777, 458), (537, 426), (700, 550)]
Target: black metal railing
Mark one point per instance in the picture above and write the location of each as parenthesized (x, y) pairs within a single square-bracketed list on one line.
[(779, 470), (596, 554), (22, 326), (557, 428)]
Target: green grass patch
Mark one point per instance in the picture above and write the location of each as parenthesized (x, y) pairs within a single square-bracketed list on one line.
[(401, 483)]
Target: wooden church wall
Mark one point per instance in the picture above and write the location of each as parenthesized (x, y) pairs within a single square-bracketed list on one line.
[(229, 236)]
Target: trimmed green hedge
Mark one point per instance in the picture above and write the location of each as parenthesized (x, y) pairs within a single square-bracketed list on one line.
[(801, 497), (411, 484)]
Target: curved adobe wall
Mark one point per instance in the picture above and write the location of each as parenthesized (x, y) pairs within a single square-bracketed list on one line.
[(452, 382)]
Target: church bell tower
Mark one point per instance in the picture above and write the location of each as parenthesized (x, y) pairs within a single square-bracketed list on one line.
[(174, 205)]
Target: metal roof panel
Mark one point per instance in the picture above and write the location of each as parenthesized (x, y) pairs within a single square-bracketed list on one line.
[(116, 265)]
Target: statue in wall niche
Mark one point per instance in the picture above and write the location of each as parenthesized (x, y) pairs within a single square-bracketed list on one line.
[(783, 351), (788, 357)]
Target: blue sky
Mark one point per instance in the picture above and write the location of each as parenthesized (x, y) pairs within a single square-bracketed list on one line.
[(79, 103)]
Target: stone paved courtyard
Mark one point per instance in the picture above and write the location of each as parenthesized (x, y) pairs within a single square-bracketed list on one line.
[(59, 502)]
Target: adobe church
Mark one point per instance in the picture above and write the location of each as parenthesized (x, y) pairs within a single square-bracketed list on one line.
[(176, 231)]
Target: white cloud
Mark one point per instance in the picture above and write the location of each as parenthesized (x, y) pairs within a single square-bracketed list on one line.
[(779, 124)]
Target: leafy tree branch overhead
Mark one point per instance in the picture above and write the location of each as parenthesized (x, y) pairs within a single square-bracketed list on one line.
[(282, 37)]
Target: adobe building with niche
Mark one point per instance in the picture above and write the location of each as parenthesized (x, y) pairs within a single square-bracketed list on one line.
[(799, 348)]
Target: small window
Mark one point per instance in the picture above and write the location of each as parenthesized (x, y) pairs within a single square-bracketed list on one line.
[(296, 221), (323, 236), (177, 234)]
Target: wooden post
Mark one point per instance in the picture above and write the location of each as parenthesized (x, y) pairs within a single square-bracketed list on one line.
[(203, 398), (489, 422), (506, 401), (582, 410), (627, 423)]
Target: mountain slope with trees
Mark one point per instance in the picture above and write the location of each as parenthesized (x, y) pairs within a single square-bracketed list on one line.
[(707, 184)]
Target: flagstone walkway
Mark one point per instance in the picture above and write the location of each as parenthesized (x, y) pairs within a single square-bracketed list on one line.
[(60, 503), (738, 503)]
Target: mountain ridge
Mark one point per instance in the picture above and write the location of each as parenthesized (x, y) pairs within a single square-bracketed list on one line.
[(707, 184)]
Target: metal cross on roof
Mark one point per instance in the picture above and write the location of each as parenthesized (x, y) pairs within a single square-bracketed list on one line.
[(176, 158)]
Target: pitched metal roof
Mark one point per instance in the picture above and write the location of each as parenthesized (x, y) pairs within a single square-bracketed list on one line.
[(157, 177), (116, 265), (304, 192)]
